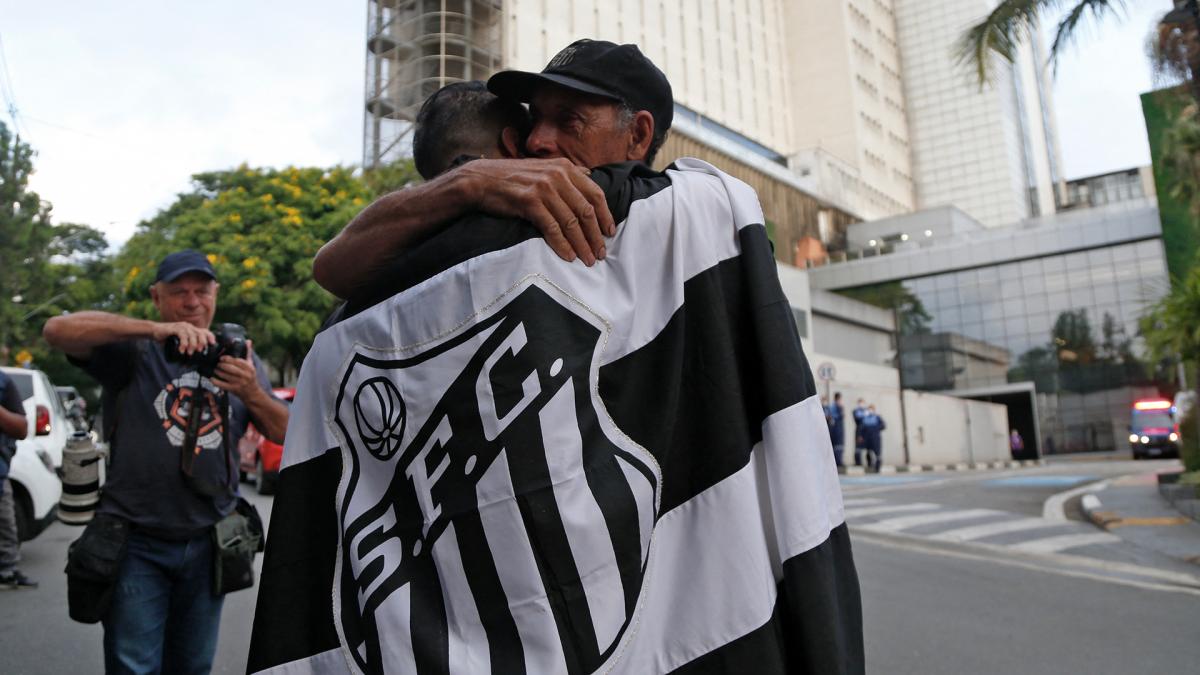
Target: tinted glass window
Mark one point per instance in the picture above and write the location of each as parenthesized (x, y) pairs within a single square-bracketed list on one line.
[(24, 383), (1145, 420)]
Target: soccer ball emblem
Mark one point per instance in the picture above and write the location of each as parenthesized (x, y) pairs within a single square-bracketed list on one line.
[(380, 415)]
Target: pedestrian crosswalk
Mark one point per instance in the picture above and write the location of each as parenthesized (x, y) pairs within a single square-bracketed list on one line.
[(975, 525)]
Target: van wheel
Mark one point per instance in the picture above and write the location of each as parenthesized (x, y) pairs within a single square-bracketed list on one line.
[(21, 510)]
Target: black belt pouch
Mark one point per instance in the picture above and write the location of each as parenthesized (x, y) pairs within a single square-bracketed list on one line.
[(236, 538), (93, 562)]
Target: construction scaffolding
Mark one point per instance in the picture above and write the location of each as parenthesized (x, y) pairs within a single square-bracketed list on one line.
[(415, 47)]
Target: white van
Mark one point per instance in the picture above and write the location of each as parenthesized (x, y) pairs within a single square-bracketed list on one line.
[(36, 491), (33, 472), (49, 425)]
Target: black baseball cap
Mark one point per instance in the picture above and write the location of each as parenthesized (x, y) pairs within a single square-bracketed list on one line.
[(619, 72), (180, 263)]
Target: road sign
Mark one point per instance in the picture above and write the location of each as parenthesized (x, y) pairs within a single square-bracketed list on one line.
[(826, 372)]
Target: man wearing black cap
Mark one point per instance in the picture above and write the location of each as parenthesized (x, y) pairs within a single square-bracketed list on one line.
[(456, 495), (164, 615), (595, 103)]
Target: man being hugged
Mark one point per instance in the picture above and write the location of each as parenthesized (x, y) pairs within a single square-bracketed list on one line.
[(173, 427)]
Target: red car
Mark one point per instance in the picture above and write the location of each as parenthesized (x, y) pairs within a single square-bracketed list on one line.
[(259, 457)]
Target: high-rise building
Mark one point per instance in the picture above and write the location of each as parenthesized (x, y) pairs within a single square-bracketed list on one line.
[(991, 151), (835, 110), (849, 115)]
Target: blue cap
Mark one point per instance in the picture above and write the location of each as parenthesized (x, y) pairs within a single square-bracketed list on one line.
[(180, 263)]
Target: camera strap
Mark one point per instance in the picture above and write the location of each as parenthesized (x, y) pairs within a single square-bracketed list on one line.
[(190, 450)]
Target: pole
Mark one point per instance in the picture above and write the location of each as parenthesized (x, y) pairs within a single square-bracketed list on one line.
[(900, 382)]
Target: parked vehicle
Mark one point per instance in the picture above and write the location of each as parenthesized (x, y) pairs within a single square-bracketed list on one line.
[(36, 489), (33, 472), (1154, 429), (75, 405), (48, 421), (258, 457)]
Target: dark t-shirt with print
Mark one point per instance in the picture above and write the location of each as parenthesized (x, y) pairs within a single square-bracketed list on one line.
[(145, 483)]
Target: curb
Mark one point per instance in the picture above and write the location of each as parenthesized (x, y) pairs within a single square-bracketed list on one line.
[(1093, 510), (957, 466)]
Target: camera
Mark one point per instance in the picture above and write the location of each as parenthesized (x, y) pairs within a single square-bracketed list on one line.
[(231, 341)]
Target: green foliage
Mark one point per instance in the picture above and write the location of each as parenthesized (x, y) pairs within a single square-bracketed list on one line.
[(1172, 326), (913, 318), (25, 235), (1162, 111), (1181, 161), (387, 178), (1189, 445), (1012, 22), (261, 229), (45, 269)]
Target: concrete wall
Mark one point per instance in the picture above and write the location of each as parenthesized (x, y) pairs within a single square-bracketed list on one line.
[(848, 340), (948, 430)]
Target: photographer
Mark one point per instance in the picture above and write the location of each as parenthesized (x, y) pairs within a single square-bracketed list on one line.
[(173, 415)]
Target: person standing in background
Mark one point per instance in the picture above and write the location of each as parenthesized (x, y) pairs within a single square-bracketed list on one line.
[(837, 427), (872, 431), (860, 446), (13, 427)]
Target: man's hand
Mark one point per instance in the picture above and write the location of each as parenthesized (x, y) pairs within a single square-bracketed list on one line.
[(553, 194), (556, 196), (191, 338), (238, 376)]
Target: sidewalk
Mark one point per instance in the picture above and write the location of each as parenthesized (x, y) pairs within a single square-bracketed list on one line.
[(1132, 508)]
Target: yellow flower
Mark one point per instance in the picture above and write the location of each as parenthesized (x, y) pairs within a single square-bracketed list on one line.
[(249, 283), (212, 259), (267, 199), (235, 217), (357, 201), (133, 272), (250, 262)]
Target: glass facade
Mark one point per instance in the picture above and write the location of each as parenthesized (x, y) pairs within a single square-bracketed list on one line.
[(1066, 322)]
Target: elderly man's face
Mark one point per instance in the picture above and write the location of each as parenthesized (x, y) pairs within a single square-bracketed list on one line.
[(584, 129), (191, 298)]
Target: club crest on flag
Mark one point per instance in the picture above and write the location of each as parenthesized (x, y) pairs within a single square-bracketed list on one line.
[(492, 516)]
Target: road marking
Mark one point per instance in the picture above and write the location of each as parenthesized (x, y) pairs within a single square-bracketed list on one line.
[(1052, 509), (1037, 481), (890, 508), (1160, 520), (861, 501), (989, 529), (906, 522), (993, 554), (883, 480), (1063, 542)]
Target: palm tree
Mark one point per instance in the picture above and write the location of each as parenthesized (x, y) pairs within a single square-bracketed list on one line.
[(1174, 46)]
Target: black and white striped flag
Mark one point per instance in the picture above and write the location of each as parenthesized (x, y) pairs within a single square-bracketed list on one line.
[(520, 465)]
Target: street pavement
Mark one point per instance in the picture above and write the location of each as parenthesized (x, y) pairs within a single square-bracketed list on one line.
[(37, 637), (962, 572)]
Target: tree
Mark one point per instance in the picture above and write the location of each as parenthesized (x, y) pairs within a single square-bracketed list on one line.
[(25, 234), (1172, 331), (261, 229), (912, 318), (1173, 43)]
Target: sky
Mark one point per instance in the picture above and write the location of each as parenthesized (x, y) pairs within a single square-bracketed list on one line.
[(124, 101)]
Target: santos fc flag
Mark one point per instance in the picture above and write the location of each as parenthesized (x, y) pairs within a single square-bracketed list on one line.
[(514, 464)]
